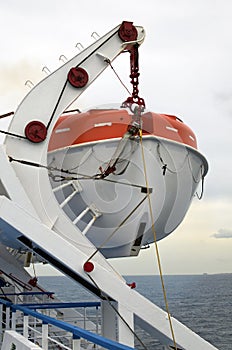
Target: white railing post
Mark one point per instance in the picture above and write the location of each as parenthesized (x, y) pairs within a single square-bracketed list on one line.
[(76, 343), (45, 336), (1, 318), (7, 318), (85, 318), (125, 333), (13, 320), (25, 326), (97, 320)]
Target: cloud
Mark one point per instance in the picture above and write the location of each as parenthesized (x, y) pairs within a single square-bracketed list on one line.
[(223, 233)]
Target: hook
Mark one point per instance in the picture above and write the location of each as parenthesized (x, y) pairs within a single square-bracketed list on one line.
[(95, 35), (79, 46), (46, 70), (29, 84), (63, 58)]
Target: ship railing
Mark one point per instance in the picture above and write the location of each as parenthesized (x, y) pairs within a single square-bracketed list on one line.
[(49, 332), (27, 297)]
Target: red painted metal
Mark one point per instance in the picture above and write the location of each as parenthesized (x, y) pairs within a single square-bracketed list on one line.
[(127, 32), (36, 131), (78, 77), (88, 266), (96, 125), (132, 285), (134, 75), (33, 281)]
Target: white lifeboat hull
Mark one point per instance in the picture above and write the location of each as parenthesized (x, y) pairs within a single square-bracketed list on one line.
[(154, 183)]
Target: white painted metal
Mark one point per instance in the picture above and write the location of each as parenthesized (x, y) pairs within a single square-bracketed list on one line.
[(171, 194), (108, 326), (125, 332), (47, 92), (62, 186), (32, 211), (67, 199), (85, 211), (45, 336), (25, 326), (76, 344), (86, 229), (20, 342), (15, 219)]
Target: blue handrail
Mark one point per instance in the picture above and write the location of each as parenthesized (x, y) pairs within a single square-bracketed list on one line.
[(36, 306), (77, 332)]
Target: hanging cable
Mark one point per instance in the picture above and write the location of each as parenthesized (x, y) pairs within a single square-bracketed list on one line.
[(105, 297), (156, 245), (6, 115), (12, 134), (113, 69), (7, 132)]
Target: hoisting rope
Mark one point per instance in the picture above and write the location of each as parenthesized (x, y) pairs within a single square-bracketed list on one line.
[(155, 242)]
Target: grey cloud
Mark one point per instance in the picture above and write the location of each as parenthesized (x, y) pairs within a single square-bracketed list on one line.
[(223, 233)]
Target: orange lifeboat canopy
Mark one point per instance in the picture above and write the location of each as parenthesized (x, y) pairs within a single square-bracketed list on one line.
[(104, 124)]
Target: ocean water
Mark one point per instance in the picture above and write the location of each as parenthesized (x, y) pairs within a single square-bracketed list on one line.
[(201, 302)]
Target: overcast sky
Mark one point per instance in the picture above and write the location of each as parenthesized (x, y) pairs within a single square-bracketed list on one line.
[(186, 70)]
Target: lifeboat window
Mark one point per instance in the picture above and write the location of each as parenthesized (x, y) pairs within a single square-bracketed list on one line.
[(191, 137), (171, 129)]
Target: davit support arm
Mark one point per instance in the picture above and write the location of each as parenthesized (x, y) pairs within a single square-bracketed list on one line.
[(32, 216)]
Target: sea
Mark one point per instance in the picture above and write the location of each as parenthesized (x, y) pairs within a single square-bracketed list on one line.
[(202, 302)]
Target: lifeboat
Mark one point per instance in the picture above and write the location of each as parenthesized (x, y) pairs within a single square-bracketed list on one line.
[(124, 180)]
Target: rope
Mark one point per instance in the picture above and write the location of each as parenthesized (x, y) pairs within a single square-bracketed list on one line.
[(165, 165), (57, 104), (33, 265), (156, 245), (6, 115), (110, 64), (187, 157), (58, 178), (105, 297), (12, 134), (117, 228)]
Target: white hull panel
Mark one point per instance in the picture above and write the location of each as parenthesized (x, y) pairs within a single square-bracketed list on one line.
[(119, 228)]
